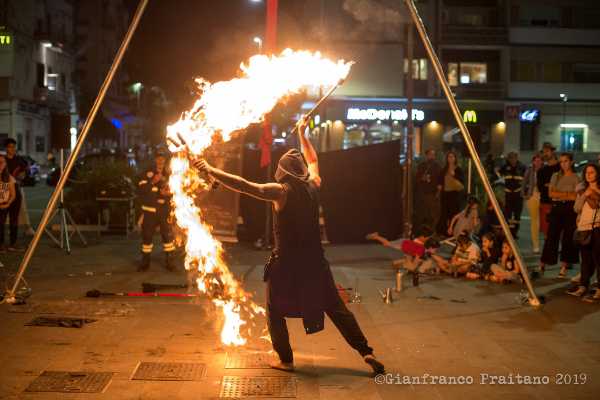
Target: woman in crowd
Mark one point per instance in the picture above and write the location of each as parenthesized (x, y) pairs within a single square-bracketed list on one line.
[(531, 194), (7, 196), (562, 191), (587, 206), (467, 221), (451, 188)]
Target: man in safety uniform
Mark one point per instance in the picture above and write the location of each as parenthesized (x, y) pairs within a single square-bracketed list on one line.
[(153, 190), (513, 172)]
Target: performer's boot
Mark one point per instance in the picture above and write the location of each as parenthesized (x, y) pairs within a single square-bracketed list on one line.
[(145, 262), (169, 265), (377, 365)]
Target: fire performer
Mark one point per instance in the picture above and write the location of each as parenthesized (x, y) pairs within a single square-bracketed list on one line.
[(153, 189), (299, 280)]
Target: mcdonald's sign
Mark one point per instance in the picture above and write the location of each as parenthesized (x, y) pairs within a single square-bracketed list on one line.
[(470, 116)]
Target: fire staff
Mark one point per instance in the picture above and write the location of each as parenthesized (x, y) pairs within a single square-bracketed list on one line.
[(153, 190), (298, 277)]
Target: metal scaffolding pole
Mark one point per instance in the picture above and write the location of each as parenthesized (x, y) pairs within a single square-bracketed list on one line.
[(10, 295), (435, 62)]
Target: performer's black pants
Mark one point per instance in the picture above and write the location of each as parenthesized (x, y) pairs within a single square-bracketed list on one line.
[(149, 224), (590, 259), (12, 212), (562, 225), (512, 210), (339, 314)]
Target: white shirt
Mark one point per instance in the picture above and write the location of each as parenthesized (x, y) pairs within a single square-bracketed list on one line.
[(586, 217)]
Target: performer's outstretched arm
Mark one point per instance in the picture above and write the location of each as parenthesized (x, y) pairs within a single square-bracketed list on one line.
[(309, 153), (268, 191)]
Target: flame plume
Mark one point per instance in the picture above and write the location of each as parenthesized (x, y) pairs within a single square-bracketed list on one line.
[(223, 108)]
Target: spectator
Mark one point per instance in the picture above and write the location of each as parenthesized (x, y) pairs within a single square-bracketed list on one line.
[(17, 168), (450, 187), (489, 256), (512, 172), (465, 255), (427, 177), (544, 175), (562, 191), (467, 221), (7, 197), (586, 206), (531, 194), (508, 268)]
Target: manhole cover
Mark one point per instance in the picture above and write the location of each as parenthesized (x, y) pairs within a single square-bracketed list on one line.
[(234, 387), (155, 371), (248, 361), (70, 382)]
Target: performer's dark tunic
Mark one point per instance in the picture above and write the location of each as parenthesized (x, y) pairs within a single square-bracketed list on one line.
[(299, 280)]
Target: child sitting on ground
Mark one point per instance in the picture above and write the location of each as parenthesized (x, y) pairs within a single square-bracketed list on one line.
[(415, 251), (507, 270), (465, 255), (489, 255), (467, 220)]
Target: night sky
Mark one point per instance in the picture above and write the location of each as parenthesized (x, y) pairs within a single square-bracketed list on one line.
[(178, 40)]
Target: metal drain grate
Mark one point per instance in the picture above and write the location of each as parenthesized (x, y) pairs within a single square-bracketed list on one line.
[(248, 361), (157, 371), (70, 382), (234, 387)]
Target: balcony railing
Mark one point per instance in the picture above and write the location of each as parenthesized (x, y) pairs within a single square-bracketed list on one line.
[(478, 35)]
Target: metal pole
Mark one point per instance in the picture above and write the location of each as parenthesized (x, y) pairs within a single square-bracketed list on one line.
[(533, 300), (10, 296), (410, 130)]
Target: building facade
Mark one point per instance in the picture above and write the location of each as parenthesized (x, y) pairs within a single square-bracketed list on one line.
[(523, 73), (100, 29), (37, 92)]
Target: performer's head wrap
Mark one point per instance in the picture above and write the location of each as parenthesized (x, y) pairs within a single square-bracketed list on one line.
[(292, 165)]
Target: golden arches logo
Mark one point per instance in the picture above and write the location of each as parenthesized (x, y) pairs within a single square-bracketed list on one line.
[(470, 116)]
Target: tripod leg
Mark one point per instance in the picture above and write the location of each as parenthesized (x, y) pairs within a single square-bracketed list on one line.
[(75, 228), (63, 219), (48, 231)]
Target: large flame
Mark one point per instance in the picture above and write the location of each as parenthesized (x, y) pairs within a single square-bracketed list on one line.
[(223, 108)]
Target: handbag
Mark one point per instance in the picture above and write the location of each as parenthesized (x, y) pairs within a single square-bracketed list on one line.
[(584, 238)]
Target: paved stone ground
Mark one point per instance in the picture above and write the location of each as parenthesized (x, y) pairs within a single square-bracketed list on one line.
[(466, 329)]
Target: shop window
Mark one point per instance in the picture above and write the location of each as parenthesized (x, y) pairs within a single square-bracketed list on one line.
[(40, 144), (473, 73), (571, 139), (524, 71), (528, 136), (419, 70), (453, 74), (19, 142), (586, 73), (551, 72)]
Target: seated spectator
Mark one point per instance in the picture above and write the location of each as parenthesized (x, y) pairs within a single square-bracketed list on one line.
[(467, 221), (490, 255), (465, 255), (507, 270), (416, 251)]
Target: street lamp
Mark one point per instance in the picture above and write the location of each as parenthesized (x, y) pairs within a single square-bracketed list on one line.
[(564, 98), (259, 42)]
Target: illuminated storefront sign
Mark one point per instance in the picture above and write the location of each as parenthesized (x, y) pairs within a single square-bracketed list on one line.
[(373, 114), (5, 39), (529, 115), (470, 116)]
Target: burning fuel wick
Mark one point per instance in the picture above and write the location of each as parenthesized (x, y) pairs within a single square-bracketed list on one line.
[(183, 147)]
